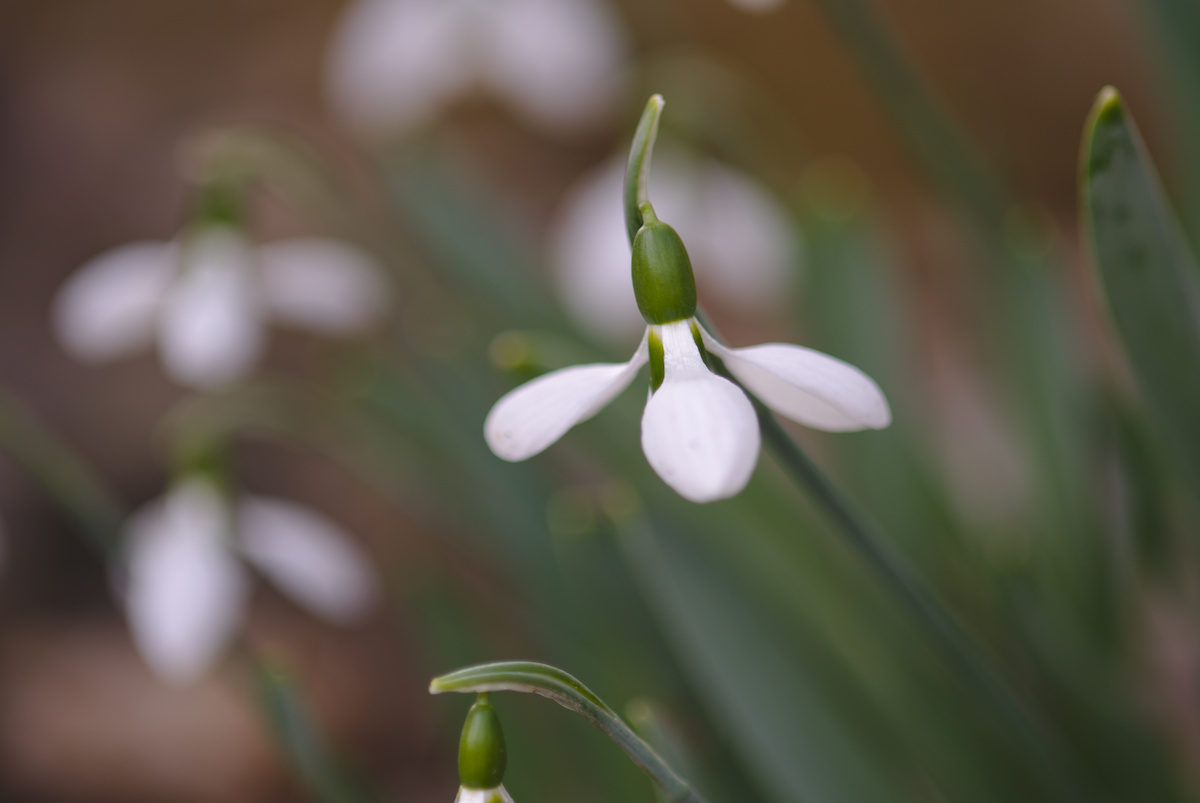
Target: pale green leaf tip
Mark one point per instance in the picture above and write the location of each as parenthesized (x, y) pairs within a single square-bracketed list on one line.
[(1108, 106), (1108, 96), (1107, 110)]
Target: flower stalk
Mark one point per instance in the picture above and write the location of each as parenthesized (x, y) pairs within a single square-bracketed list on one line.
[(555, 684)]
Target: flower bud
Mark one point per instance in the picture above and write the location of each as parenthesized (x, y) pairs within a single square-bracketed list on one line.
[(662, 273), (481, 752)]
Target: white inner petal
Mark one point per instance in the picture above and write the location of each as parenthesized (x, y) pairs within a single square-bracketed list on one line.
[(185, 591), (699, 431), (497, 795), (211, 328), (324, 285), (807, 386), (308, 557), (110, 306), (528, 419), (392, 63)]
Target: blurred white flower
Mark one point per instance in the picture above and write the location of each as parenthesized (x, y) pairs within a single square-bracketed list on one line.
[(757, 6), (206, 298), (393, 64), (187, 586), (743, 246), (496, 795)]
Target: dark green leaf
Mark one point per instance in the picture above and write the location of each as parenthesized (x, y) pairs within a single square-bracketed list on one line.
[(1147, 271)]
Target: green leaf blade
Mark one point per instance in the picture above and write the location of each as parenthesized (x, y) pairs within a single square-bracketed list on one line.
[(1147, 271)]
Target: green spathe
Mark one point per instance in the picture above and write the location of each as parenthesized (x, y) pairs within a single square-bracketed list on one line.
[(662, 273), (482, 755)]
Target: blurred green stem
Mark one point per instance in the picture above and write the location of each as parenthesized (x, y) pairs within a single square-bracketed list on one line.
[(953, 644), (60, 471), (931, 134), (296, 732), (555, 684)]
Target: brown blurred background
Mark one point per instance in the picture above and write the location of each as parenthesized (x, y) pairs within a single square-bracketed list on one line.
[(94, 100)]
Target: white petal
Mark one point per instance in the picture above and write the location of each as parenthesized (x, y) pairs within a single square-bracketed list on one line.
[(699, 431), (497, 795), (325, 285), (308, 557), (807, 386), (185, 591), (558, 61), (109, 307), (392, 63), (211, 327), (528, 419)]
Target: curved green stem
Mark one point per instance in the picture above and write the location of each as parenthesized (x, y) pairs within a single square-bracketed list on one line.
[(637, 171), (557, 685)]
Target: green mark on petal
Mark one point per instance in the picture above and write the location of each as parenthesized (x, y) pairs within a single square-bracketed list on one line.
[(658, 368), (700, 345)]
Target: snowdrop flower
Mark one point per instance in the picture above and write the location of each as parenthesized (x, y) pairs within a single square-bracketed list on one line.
[(186, 586), (699, 430), (743, 243), (482, 756), (206, 298), (394, 64)]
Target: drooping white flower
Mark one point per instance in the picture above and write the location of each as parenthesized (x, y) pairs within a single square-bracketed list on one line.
[(699, 430), (742, 244), (187, 587), (393, 64), (207, 298), (495, 795)]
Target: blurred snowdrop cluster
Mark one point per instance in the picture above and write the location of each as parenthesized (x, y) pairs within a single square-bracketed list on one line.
[(393, 64), (206, 299), (186, 587), (743, 245)]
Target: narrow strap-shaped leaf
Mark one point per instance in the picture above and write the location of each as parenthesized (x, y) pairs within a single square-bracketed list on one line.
[(63, 473), (1147, 271), (300, 738), (637, 172), (557, 685)]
